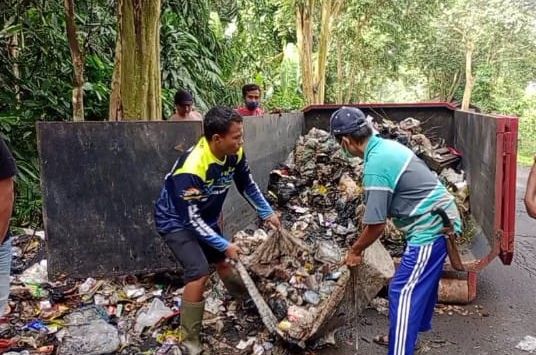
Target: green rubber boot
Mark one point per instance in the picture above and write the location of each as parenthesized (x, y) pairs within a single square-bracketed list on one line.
[(191, 323)]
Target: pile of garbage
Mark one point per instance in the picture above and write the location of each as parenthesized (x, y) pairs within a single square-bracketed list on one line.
[(444, 161), (318, 189), (123, 315)]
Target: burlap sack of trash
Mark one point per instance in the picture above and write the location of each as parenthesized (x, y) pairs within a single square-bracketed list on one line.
[(306, 291)]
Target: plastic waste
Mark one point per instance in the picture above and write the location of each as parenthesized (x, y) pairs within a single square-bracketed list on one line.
[(87, 286), (311, 297), (258, 349), (36, 325), (35, 274), (88, 332), (132, 291), (328, 252), (148, 317), (45, 306), (212, 305), (37, 291), (243, 345), (527, 344), (169, 347), (96, 337)]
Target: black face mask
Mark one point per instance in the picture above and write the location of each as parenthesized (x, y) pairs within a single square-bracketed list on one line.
[(252, 105)]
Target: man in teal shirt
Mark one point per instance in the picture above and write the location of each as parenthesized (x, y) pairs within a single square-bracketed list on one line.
[(399, 185)]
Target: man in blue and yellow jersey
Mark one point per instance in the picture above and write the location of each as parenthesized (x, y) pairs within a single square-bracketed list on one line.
[(190, 204), (400, 186)]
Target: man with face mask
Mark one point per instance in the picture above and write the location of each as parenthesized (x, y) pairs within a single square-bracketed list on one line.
[(252, 96), (190, 204), (400, 186)]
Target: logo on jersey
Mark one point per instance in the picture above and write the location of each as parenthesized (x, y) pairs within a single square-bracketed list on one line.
[(192, 193)]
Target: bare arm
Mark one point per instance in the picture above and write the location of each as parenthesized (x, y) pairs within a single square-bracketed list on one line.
[(530, 195), (369, 235), (7, 198)]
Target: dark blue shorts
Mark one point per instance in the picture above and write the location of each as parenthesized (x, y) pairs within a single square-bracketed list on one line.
[(194, 255)]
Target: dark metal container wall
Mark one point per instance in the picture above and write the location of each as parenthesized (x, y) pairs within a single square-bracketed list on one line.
[(99, 182), (268, 141)]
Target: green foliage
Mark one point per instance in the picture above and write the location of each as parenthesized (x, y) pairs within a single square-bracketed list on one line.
[(527, 129), (36, 83), (392, 50), (286, 93), (189, 53)]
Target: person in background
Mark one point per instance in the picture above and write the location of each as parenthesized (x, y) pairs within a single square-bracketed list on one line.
[(190, 203), (530, 195), (7, 197), (252, 98), (184, 107)]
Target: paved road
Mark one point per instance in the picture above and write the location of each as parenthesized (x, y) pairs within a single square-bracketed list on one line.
[(507, 293)]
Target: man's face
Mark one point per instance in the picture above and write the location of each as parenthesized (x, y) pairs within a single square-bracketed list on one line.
[(184, 109), (352, 148), (232, 141), (253, 98)]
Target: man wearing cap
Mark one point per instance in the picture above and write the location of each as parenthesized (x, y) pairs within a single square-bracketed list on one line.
[(184, 107), (400, 186)]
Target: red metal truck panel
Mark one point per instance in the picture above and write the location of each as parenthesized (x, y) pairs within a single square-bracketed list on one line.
[(509, 189)]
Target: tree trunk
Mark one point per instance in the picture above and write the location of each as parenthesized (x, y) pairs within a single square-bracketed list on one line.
[(454, 87), (304, 34), (469, 78), (352, 80), (340, 70), (14, 55), (78, 62), (136, 88), (330, 9)]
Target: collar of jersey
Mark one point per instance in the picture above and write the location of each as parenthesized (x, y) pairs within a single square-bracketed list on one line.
[(208, 153), (372, 142)]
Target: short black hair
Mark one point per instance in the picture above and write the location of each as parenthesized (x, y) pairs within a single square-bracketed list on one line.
[(359, 136), (218, 120), (182, 96), (249, 87)]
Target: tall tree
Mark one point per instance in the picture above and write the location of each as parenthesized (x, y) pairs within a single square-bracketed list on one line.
[(136, 84), (330, 10), (474, 41), (314, 71), (78, 61), (304, 33)]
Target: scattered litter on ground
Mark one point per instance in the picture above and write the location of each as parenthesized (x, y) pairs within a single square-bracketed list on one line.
[(381, 305), (527, 344)]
